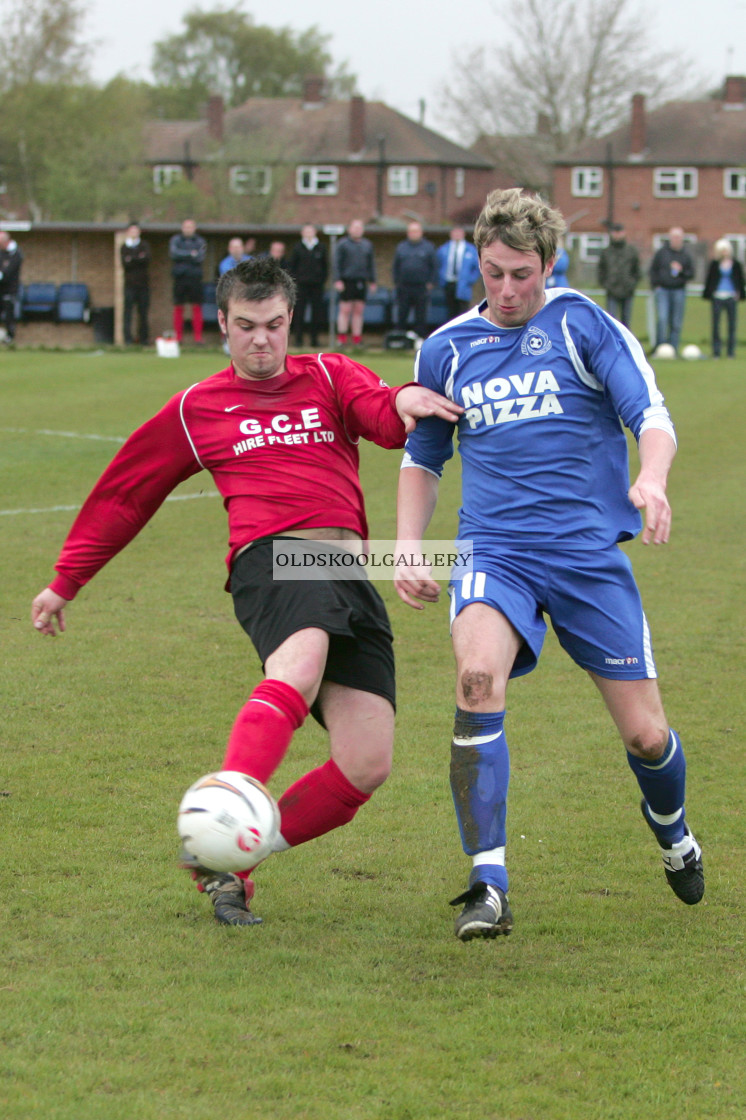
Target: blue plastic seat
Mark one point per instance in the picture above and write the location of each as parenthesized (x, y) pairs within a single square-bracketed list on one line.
[(38, 299), (73, 303)]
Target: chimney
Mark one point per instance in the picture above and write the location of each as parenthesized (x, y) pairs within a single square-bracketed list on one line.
[(313, 90), (638, 131), (215, 118), (735, 90), (357, 124), (543, 124)]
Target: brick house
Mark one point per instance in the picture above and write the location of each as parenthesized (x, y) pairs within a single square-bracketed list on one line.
[(291, 160), (682, 164)]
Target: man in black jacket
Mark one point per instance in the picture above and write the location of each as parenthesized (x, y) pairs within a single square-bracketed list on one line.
[(618, 274), (135, 255), (415, 275), (670, 270), (11, 259), (187, 251), (309, 267)]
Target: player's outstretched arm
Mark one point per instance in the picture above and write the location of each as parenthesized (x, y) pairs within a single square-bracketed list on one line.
[(418, 495), (648, 491), (415, 402), (47, 609)]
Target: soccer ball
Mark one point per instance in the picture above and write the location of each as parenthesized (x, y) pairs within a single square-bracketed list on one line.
[(665, 350), (691, 352), (228, 821)]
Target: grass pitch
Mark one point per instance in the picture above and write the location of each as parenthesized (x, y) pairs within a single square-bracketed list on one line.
[(120, 998)]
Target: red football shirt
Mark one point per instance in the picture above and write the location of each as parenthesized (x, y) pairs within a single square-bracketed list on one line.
[(282, 452)]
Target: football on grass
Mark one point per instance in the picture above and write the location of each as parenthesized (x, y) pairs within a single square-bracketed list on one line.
[(228, 821)]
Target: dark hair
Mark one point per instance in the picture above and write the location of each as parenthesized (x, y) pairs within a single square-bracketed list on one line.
[(255, 280)]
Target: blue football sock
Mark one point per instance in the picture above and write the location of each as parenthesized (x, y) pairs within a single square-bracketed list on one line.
[(663, 785), (480, 771)]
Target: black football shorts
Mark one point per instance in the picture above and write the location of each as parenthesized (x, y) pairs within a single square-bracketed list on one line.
[(361, 653)]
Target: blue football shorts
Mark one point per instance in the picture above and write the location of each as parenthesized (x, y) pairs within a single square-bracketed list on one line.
[(590, 597)]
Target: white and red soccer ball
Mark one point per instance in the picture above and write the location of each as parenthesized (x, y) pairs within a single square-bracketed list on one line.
[(228, 821)]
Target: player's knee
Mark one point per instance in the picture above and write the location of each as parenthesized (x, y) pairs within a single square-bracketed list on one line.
[(477, 685), (372, 773), (649, 744)]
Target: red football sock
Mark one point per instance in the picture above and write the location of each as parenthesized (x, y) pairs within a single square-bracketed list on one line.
[(342, 339), (197, 322), (357, 339), (263, 729), (179, 321), (321, 800)]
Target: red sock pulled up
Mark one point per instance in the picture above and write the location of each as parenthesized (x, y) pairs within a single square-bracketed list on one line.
[(263, 729)]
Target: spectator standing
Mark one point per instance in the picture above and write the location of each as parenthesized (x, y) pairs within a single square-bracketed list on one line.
[(135, 255), (236, 254), (619, 274), (11, 259), (415, 274), (458, 271), (670, 269), (308, 265), (354, 277), (276, 252), (724, 287), (187, 251)]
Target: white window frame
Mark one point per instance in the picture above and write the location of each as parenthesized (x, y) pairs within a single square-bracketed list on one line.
[(671, 182), (165, 175), (459, 182), (316, 179), (587, 182), (589, 245), (402, 181), (247, 178), (739, 190)]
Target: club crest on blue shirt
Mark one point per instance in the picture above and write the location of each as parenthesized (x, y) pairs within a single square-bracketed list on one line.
[(535, 342)]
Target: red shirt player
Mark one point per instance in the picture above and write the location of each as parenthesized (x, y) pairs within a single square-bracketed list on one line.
[(279, 436)]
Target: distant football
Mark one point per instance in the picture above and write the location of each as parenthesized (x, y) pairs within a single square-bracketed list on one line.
[(691, 352), (228, 821), (665, 350)]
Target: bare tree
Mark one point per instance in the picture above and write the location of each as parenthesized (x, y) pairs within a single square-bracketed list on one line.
[(41, 42), (570, 64)]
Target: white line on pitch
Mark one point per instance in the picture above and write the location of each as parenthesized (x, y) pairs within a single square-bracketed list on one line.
[(67, 435), (68, 509)]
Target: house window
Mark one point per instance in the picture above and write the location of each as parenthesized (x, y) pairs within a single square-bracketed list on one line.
[(587, 182), (250, 180), (317, 180), (675, 182), (588, 245), (734, 182), (165, 175), (459, 182), (402, 180)]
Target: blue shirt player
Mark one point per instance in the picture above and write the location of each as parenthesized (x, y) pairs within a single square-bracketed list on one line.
[(544, 376)]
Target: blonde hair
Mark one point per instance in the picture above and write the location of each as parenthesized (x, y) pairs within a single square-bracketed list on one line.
[(722, 248), (524, 222)]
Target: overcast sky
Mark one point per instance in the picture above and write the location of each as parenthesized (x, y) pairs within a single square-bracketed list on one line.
[(402, 50)]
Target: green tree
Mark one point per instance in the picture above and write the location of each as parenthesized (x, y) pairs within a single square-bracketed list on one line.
[(75, 152), (222, 51)]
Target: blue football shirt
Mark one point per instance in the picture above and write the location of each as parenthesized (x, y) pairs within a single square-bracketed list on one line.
[(544, 453)]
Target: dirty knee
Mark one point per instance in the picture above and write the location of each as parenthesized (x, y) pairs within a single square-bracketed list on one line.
[(476, 686), (649, 747)]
